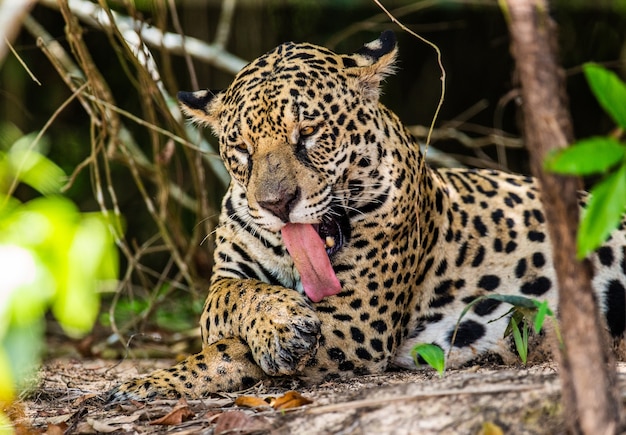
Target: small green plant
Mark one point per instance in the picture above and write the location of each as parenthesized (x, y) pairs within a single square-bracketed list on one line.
[(432, 354), (605, 156), (525, 313), (52, 258)]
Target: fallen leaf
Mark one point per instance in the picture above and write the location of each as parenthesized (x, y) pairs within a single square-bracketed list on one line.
[(238, 421), (180, 413), (251, 402), (291, 399), (490, 428)]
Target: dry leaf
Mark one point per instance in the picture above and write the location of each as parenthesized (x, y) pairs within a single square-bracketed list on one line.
[(251, 402), (180, 413), (291, 399), (238, 421), (490, 428)]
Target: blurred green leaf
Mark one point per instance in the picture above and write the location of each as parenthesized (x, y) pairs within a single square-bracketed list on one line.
[(9, 134), (432, 354), (603, 213), (609, 90), (89, 259), (51, 255), (587, 156), (37, 171), (25, 162), (26, 289)]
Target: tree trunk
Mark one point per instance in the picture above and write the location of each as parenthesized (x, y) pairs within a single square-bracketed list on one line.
[(587, 370)]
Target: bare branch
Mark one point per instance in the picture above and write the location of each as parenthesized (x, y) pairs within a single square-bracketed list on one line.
[(421, 132), (177, 44)]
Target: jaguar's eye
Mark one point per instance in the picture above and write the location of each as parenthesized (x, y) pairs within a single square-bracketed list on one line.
[(242, 148), (308, 131)]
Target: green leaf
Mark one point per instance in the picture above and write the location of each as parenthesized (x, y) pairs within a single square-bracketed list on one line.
[(587, 156), (609, 90), (37, 171), (603, 213), (26, 162), (432, 354), (521, 341), (542, 311), (538, 305)]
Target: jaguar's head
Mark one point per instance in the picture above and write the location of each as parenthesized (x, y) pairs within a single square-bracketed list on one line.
[(291, 124)]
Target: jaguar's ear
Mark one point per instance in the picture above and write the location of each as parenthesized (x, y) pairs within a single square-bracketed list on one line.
[(374, 61), (201, 106)]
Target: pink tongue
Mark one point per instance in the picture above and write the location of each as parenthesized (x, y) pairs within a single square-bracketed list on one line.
[(309, 255)]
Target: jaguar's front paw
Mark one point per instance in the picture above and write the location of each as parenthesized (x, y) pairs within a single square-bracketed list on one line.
[(284, 336)]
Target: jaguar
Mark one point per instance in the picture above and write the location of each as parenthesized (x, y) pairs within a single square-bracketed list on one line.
[(339, 248)]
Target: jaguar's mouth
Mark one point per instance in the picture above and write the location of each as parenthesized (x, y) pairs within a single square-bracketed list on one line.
[(311, 247), (334, 230)]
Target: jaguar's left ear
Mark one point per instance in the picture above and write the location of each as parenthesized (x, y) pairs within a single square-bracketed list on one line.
[(201, 106), (375, 61)]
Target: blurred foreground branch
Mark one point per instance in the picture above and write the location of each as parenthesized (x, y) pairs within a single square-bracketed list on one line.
[(588, 377)]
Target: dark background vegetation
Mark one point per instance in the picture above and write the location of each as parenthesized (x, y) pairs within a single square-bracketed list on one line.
[(481, 100)]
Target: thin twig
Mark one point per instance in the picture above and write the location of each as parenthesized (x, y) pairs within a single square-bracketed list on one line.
[(439, 62), (21, 61)]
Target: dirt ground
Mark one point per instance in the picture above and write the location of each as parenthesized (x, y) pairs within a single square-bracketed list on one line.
[(496, 400)]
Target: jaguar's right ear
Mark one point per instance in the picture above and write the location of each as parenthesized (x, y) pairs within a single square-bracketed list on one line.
[(201, 106)]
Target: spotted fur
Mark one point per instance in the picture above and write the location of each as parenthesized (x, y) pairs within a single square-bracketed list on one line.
[(306, 140)]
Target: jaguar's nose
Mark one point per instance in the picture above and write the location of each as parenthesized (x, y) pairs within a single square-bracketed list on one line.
[(280, 202)]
